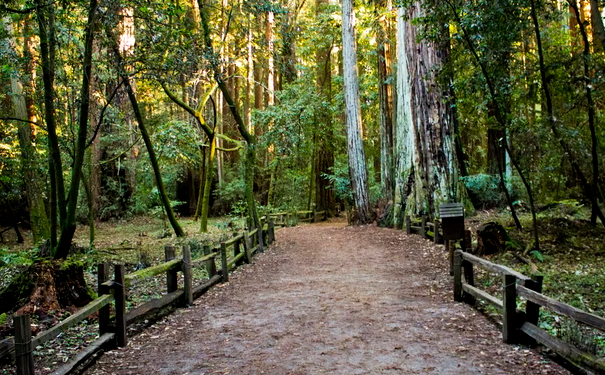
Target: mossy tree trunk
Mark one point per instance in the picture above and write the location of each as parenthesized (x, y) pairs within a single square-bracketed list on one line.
[(355, 150), (427, 172), (33, 186)]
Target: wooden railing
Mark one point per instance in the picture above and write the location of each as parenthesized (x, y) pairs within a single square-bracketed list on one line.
[(291, 218), (243, 246), (519, 325), (425, 228)]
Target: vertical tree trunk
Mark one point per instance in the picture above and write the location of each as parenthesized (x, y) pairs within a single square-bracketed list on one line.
[(405, 134), (591, 117), (207, 186), (68, 228), (323, 158), (598, 31), (126, 42), (384, 116), (355, 151), (33, 186), (45, 16), (270, 23), (250, 78), (427, 171)]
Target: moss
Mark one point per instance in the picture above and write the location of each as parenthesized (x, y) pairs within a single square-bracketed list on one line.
[(3, 318), (91, 293)]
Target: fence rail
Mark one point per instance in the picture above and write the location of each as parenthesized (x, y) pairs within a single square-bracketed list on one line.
[(244, 246)]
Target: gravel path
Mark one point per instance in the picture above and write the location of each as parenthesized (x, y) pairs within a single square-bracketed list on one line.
[(329, 299)]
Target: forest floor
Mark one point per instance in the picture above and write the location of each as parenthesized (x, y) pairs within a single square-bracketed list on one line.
[(328, 298)]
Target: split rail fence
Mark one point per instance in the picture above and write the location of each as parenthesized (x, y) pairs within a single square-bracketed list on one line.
[(518, 326), (112, 330)]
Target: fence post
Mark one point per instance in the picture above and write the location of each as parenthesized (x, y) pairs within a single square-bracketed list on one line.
[(449, 248), (314, 215), (23, 345), (210, 265), (436, 237), (171, 275), (224, 266), (103, 276), (532, 310), (247, 248), (408, 224), (120, 302), (467, 245), (458, 276), (423, 226), (469, 276), (259, 236), (264, 233), (249, 223), (187, 276), (271, 231), (510, 309), (236, 249)]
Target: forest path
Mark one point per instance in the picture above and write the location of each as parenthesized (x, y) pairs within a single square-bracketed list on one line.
[(327, 298)]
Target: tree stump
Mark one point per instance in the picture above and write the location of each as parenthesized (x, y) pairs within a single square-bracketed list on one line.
[(491, 239)]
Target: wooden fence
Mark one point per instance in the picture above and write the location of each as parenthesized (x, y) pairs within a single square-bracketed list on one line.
[(425, 228), (291, 218), (112, 332), (517, 325)]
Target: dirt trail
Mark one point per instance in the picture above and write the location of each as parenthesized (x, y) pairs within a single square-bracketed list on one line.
[(329, 299)]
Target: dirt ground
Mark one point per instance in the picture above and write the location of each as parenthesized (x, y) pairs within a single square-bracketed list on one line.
[(328, 298)]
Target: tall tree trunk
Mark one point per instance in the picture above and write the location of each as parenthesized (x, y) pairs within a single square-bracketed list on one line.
[(45, 16), (355, 151), (598, 30), (207, 185), (323, 158), (69, 227), (591, 115), (250, 78), (127, 41), (33, 186), (384, 109), (427, 171)]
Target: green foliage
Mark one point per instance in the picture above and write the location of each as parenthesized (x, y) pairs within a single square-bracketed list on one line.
[(18, 258), (484, 190), (538, 255)]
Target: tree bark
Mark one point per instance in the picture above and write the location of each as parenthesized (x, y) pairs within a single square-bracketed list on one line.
[(46, 28), (598, 30), (355, 150), (33, 186), (427, 170), (384, 118), (323, 157)]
